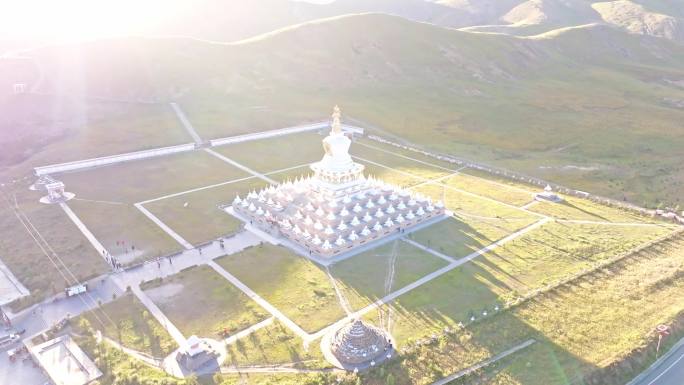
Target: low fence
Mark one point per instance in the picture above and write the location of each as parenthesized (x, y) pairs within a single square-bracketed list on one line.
[(106, 160), (281, 132)]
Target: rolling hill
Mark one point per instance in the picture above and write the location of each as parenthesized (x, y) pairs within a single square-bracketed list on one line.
[(591, 106)]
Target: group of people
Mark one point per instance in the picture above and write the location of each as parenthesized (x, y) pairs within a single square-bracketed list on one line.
[(111, 260)]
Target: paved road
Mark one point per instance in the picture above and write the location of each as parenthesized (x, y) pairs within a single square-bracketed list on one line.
[(186, 123), (668, 370), (241, 166)]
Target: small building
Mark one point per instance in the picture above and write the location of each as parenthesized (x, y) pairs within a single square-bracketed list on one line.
[(56, 193), (19, 88), (65, 363), (548, 195), (195, 354)]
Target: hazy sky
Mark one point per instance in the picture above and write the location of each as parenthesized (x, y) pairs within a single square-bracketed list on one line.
[(69, 20)]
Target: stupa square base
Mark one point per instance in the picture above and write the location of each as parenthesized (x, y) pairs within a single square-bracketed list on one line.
[(327, 260)]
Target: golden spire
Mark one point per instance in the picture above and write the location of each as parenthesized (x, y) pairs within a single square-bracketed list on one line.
[(336, 127)]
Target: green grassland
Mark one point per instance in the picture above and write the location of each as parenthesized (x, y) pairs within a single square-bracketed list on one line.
[(540, 257), (112, 223), (501, 192), (293, 284), (105, 196), (568, 106), (363, 278), (575, 325), (127, 321), (417, 169), (202, 220), (118, 367), (486, 220), (201, 302), (583, 209), (397, 151), (274, 345), (578, 319), (458, 238), (136, 181), (396, 178), (196, 216), (22, 255), (88, 129), (267, 155)]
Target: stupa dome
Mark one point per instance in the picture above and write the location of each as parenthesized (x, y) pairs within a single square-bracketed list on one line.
[(357, 343)]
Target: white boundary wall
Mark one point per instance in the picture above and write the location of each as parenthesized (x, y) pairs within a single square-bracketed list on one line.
[(137, 155), (105, 160), (280, 132)]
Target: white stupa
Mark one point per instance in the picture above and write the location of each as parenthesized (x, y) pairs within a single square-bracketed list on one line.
[(338, 208), (548, 195)]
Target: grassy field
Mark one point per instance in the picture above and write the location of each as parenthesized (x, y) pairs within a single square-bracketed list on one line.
[(457, 238), (20, 252), (117, 366), (131, 325), (266, 155), (420, 170), (471, 229), (537, 258), (274, 345), (505, 193), (201, 302), (556, 250), (196, 216), (89, 129), (638, 294), (125, 223), (583, 209), (366, 277), (574, 324), (141, 180), (293, 284), (201, 220)]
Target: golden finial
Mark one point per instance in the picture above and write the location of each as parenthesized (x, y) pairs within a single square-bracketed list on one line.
[(336, 126)]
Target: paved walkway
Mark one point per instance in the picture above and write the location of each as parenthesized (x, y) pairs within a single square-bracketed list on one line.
[(152, 361), (240, 166), (86, 232), (187, 245), (427, 278), (244, 333), (530, 204), (173, 331), (10, 287), (186, 123), (429, 250), (221, 184)]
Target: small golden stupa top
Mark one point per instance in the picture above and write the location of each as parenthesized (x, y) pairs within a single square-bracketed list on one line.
[(336, 126)]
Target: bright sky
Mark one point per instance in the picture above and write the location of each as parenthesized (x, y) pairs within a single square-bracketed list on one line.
[(69, 20), (65, 20)]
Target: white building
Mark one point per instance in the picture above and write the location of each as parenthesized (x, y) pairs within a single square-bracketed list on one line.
[(338, 208)]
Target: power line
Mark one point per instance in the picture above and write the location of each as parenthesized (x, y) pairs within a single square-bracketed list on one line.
[(18, 213)]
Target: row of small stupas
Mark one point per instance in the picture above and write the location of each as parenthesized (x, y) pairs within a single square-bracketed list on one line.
[(337, 208)]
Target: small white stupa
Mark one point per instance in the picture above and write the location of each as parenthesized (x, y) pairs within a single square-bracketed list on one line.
[(548, 195)]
